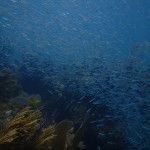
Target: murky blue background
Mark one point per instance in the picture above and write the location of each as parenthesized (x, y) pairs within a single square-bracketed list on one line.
[(97, 50)]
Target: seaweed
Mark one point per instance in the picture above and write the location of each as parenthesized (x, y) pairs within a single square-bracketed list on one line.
[(43, 142), (24, 132), (20, 129)]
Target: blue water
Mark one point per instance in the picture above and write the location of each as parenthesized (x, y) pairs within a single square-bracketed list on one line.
[(84, 57)]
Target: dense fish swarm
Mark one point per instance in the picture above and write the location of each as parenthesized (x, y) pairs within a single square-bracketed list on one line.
[(79, 59)]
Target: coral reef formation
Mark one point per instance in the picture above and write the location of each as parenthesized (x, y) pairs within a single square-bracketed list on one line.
[(9, 84), (25, 132)]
